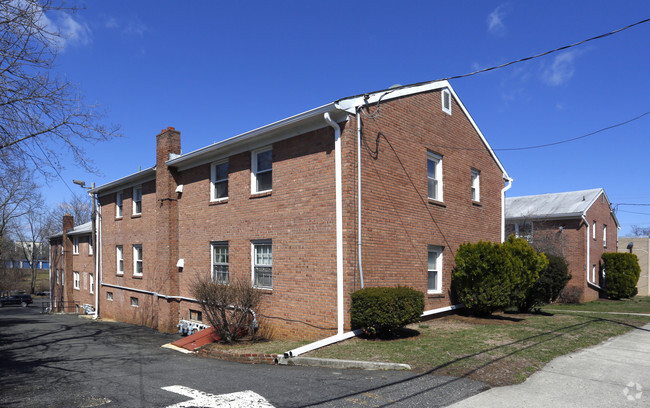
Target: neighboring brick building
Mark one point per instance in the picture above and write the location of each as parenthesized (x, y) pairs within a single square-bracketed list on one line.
[(640, 246), (579, 225), (72, 268), (280, 207)]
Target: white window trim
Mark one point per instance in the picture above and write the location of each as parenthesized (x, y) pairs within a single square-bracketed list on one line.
[(214, 181), (604, 236), (133, 199), (593, 231), (439, 267), (135, 260), (75, 245), (476, 185), (437, 159), (91, 283), (119, 204), (254, 154), (90, 244), (76, 280), (253, 264), (119, 256), (446, 92), (222, 244), (528, 237)]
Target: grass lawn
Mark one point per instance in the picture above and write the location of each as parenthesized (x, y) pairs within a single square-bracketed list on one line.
[(499, 350)]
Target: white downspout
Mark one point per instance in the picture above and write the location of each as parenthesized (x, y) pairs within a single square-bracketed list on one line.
[(587, 267), (359, 197), (339, 219), (49, 258), (97, 254), (503, 206)]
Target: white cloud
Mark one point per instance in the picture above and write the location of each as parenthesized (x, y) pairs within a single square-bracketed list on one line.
[(132, 26), (65, 29), (495, 23), (562, 68)]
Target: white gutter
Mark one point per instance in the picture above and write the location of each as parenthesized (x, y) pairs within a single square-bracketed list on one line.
[(344, 336), (503, 206), (359, 196), (339, 219)]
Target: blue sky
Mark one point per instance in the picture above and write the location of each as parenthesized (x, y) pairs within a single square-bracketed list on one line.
[(216, 69)]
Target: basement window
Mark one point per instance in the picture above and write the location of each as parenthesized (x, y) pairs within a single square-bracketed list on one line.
[(196, 315), (109, 296), (135, 302)]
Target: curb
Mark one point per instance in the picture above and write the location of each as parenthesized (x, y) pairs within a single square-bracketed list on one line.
[(333, 363)]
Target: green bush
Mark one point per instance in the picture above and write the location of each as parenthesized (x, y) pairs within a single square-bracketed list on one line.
[(527, 265), (549, 285), (482, 277), (379, 311), (622, 273)]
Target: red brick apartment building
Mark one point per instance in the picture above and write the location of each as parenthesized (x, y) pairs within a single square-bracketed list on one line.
[(377, 189), (72, 266), (579, 225)]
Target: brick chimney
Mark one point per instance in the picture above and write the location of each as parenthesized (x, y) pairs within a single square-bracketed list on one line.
[(166, 274), (68, 280)]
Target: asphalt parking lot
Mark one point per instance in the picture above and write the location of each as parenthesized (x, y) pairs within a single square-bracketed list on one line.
[(67, 361)]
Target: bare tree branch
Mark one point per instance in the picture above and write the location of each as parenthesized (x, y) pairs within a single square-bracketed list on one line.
[(39, 111)]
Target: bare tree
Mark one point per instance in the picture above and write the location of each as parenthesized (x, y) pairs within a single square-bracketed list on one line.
[(42, 116), (32, 233), (18, 196), (639, 231)]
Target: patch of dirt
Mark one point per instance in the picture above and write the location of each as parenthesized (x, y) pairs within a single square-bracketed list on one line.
[(497, 372), (494, 319)]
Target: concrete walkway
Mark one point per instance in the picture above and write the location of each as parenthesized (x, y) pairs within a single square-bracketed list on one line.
[(615, 373)]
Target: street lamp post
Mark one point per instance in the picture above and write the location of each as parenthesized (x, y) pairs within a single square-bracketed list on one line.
[(82, 184)]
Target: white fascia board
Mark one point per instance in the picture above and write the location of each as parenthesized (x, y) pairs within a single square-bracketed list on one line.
[(351, 104), (265, 135), (125, 182)]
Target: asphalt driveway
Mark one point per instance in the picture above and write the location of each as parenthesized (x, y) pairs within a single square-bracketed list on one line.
[(66, 361)]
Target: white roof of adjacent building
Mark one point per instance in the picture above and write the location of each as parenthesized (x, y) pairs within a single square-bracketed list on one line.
[(82, 229), (572, 204)]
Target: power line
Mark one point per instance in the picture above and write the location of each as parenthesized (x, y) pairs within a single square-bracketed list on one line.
[(548, 52), (576, 138)]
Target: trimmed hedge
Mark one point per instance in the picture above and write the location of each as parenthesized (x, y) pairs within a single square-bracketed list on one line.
[(622, 273), (527, 264), (482, 277), (550, 284), (379, 311)]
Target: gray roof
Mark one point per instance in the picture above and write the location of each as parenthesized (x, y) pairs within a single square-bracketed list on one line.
[(572, 204), (83, 229)]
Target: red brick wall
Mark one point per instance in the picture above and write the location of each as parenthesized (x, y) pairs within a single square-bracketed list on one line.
[(399, 222), (572, 244)]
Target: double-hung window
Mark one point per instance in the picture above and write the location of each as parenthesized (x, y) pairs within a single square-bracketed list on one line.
[(137, 200), (476, 185), (90, 244), (604, 236), (262, 170), (137, 260), (118, 204), (434, 269), (220, 272), (434, 176), (75, 276), (75, 245), (263, 264), (593, 230), (219, 185), (91, 283), (119, 255)]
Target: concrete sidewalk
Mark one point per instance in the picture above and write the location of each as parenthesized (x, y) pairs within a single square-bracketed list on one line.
[(615, 373)]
